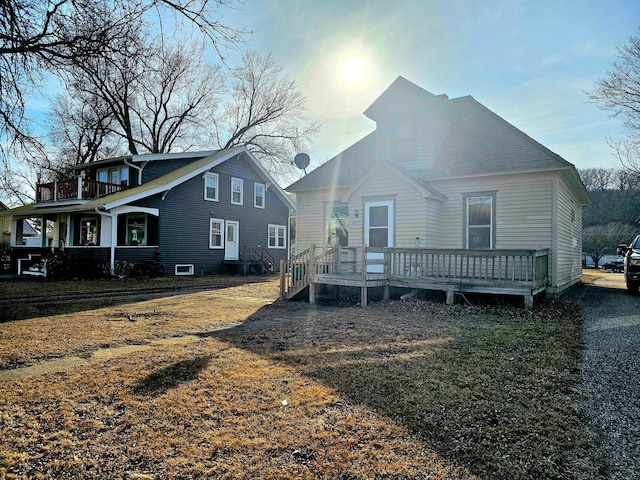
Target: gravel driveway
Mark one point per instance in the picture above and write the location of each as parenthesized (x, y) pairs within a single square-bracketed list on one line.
[(610, 370)]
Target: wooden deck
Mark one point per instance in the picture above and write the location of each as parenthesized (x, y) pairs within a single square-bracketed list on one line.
[(504, 272)]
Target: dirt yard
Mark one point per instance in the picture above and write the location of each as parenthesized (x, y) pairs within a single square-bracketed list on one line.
[(227, 382)]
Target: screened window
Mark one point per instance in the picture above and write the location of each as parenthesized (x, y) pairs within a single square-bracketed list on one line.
[(480, 221), (258, 195), (277, 236), (337, 232), (216, 232), (236, 191), (211, 187)]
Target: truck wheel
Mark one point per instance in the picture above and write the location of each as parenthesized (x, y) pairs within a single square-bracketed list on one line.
[(632, 287)]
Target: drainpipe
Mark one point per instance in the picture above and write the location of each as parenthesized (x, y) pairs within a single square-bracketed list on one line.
[(114, 238), (137, 168)]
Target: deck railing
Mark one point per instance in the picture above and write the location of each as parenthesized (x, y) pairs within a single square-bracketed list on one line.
[(527, 269), (77, 188), (496, 266)]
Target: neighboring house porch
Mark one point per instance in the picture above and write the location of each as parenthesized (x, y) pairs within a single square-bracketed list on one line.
[(505, 272)]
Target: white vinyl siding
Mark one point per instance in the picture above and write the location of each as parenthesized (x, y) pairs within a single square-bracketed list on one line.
[(310, 225), (569, 237), (415, 217)]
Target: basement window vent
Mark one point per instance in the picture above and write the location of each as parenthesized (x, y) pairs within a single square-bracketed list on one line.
[(184, 269)]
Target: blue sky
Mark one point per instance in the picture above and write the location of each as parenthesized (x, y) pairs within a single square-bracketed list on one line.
[(528, 61)]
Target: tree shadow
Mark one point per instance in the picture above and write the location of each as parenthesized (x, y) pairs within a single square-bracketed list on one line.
[(477, 388), (172, 376)]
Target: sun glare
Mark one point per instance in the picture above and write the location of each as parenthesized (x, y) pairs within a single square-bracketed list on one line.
[(354, 69)]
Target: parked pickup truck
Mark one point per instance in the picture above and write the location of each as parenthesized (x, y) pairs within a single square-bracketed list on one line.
[(631, 264)]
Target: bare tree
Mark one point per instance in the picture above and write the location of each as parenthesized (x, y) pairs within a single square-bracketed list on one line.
[(598, 240), (39, 37), (265, 112), (170, 100), (596, 179), (619, 93)]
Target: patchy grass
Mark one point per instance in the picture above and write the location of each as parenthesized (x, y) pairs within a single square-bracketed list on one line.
[(398, 390)]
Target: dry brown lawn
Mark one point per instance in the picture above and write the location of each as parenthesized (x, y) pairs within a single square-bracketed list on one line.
[(268, 389)]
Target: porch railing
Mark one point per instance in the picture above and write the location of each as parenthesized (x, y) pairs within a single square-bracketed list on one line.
[(75, 189)]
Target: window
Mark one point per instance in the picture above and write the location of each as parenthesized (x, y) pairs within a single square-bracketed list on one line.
[(211, 187), (277, 236), (136, 229), (88, 231), (258, 195), (115, 175), (337, 233), (236, 191), (184, 269), (216, 233), (479, 212)]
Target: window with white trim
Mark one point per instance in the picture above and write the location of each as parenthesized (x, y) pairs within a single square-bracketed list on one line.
[(216, 233), (479, 213), (277, 236), (236, 191), (211, 187), (258, 195)]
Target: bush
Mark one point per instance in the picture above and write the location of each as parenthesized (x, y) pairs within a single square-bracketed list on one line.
[(62, 265)]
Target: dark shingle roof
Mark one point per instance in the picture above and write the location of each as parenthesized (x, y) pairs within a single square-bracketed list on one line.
[(478, 142), (344, 169), (482, 142)]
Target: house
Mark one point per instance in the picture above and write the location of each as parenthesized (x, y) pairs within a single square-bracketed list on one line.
[(444, 194), (202, 212)]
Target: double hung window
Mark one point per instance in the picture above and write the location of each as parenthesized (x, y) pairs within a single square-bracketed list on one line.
[(479, 212), (211, 187), (277, 236), (237, 191)]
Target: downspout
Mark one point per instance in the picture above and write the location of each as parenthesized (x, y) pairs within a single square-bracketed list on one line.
[(144, 164), (114, 238)]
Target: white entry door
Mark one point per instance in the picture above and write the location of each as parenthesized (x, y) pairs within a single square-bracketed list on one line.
[(378, 230), (231, 246)]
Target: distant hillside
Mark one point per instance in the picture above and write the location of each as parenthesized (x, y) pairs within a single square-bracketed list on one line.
[(613, 206)]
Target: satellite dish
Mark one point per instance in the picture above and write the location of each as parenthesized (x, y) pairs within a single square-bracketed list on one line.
[(302, 161)]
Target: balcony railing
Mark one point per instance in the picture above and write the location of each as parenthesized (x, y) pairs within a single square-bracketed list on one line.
[(75, 189)]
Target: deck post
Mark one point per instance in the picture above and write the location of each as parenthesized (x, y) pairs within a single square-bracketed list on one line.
[(450, 296), (385, 294), (312, 293), (363, 296), (282, 279), (528, 302)]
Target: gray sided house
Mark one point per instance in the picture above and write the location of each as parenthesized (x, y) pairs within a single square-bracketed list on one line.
[(444, 194), (203, 212)]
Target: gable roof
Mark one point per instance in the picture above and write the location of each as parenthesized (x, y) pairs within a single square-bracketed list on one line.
[(162, 184), (170, 180), (478, 143)]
